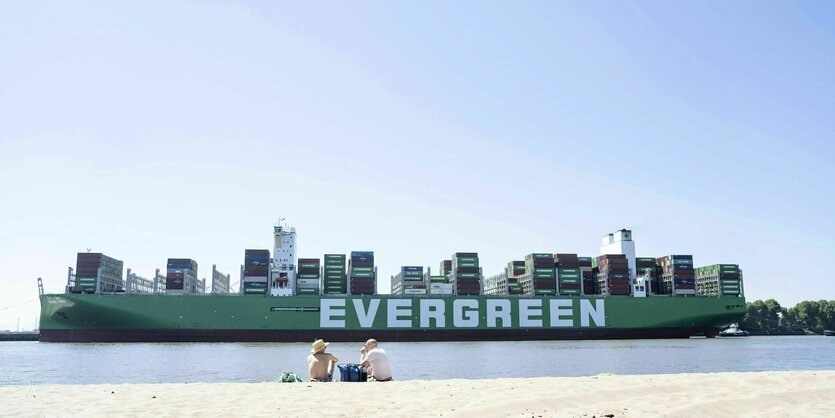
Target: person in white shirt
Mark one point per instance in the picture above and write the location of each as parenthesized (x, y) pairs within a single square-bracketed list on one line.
[(376, 361)]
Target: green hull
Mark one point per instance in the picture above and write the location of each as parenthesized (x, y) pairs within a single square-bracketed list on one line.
[(120, 317)]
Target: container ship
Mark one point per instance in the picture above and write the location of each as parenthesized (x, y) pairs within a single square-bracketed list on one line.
[(283, 298)]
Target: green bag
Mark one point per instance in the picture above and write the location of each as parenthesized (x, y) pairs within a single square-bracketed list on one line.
[(288, 377)]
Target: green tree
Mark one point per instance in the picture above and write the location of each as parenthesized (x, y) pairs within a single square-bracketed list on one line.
[(772, 321), (769, 318), (808, 314), (827, 314), (752, 315), (762, 317)]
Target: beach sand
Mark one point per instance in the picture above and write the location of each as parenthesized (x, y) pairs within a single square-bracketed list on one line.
[(801, 394)]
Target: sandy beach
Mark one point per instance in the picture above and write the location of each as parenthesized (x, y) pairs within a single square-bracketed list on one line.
[(802, 394)]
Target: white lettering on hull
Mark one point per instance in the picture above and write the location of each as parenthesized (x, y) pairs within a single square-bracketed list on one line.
[(432, 309), (498, 309), (528, 308), (466, 313), (559, 309), (399, 308), (330, 308), (597, 313), (465, 318), (366, 318)]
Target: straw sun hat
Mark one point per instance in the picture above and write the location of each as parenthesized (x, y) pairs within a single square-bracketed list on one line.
[(318, 346)]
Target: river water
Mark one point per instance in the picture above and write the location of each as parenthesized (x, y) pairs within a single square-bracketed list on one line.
[(25, 363)]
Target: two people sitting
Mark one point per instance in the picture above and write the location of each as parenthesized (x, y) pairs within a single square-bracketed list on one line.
[(320, 364)]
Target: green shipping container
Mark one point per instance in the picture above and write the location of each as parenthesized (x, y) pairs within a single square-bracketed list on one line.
[(334, 284), (468, 275), (539, 255), (308, 265)]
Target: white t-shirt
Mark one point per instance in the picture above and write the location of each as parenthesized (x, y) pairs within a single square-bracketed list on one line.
[(380, 366)]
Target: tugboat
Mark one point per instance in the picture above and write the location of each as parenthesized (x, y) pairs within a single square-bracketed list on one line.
[(733, 331), (829, 333)]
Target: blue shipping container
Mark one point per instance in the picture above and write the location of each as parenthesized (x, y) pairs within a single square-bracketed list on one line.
[(256, 260), (362, 256)]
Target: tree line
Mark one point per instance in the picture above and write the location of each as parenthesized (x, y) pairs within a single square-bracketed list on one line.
[(769, 318)]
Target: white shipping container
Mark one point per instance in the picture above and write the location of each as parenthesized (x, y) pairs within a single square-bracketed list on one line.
[(307, 282), (308, 285), (255, 278), (414, 291)]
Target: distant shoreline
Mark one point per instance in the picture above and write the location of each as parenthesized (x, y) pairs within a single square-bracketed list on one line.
[(794, 393)]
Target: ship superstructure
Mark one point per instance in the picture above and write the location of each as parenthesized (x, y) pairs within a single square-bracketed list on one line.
[(283, 266)]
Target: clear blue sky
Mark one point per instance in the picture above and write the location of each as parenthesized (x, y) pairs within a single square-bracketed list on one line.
[(185, 129)]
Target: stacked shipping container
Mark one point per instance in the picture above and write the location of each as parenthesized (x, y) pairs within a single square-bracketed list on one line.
[(439, 285), (588, 275), (719, 280), (540, 266), (466, 273), (255, 272), (568, 274), (362, 274), (335, 282), (446, 268), (96, 272), (613, 275), (515, 270), (677, 275), (307, 276), (647, 265), (409, 281), (181, 276)]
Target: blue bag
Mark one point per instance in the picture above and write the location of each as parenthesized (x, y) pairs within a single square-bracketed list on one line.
[(352, 372)]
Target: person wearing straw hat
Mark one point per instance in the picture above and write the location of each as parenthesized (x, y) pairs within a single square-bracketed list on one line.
[(376, 361), (319, 363)]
